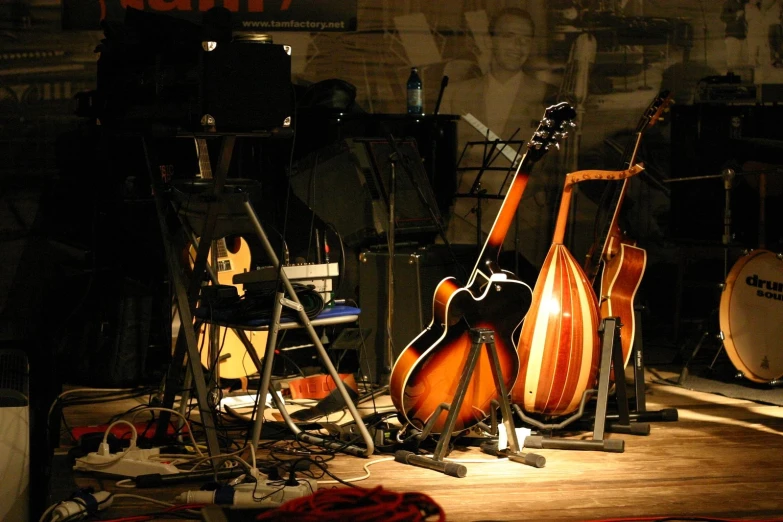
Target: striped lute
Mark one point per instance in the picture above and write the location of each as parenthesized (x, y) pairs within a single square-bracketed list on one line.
[(558, 346), (428, 370)]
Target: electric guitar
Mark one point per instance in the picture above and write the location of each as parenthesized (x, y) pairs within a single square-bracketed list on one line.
[(234, 363), (620, 262), (428, 371)]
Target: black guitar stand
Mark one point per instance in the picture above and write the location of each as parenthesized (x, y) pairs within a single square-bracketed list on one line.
[(611, 354), (638, 411), (479, 337)]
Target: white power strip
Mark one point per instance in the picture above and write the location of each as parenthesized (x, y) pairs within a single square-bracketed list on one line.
[(131, 463), (249, 495)]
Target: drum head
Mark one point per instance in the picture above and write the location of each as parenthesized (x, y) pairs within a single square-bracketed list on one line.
[(751, 316)]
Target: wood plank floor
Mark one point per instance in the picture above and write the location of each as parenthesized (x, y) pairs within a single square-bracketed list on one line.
[(722, 459)]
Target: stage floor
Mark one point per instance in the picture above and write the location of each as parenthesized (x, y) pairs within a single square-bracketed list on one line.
[(721, 459)]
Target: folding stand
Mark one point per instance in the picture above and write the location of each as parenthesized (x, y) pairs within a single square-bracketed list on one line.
[(611, 353), (479, 337), (232, 198), (639, 412)]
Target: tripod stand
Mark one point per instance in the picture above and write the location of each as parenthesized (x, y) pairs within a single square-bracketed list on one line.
[(728, 176)]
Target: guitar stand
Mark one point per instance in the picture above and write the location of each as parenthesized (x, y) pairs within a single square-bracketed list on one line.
[(224, 201), (640, 412), (611, 353), (479, 337)]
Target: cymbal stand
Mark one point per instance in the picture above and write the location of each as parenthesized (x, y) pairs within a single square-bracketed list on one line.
[(728, 180)]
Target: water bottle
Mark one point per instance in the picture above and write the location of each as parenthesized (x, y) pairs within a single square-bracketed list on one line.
[(415, 94)]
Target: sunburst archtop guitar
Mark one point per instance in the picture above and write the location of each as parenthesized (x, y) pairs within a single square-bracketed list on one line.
[(428, 370)]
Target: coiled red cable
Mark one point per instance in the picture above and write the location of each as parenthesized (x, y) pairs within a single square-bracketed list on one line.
[(358, 505)]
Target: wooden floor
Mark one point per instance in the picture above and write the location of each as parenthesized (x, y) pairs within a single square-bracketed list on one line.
[(723, 458)]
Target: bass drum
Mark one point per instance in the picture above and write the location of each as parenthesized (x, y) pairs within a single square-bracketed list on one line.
[(751, 316)]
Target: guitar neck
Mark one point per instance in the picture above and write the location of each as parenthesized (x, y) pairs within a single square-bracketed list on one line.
[(491, 250), (611, 234), (618, 195)]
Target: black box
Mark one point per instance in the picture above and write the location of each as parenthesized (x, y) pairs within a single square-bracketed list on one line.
[(164, 72), (416, 275)]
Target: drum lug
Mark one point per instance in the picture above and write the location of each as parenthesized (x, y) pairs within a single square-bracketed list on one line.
[(721, 336)]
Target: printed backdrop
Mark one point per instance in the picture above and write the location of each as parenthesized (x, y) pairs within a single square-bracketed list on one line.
[(609, 58)]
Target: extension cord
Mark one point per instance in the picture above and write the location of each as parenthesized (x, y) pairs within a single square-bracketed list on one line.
[(73, 508), (261, 495), (134, 462)]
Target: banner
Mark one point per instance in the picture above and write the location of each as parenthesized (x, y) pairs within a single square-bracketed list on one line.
[(247, 15)]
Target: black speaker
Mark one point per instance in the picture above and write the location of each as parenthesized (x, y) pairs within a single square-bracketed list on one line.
[(349, 184), (416, 275)]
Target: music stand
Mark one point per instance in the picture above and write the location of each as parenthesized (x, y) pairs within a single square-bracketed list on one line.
[(491, 150)]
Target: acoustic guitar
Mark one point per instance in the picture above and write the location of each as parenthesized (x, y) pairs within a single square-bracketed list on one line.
[(428, 371), (621, 263), (231, 258), (558, 346)]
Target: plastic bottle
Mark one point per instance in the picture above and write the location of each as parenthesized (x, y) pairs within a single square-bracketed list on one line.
[(415, 93)]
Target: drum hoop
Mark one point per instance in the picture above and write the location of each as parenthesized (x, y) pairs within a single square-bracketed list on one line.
[(723, 315)]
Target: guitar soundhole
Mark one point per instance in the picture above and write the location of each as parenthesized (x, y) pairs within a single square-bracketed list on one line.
[(233, 244)]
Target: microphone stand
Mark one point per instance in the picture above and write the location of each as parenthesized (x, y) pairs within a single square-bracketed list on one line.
[(388, 355), (728, 178)]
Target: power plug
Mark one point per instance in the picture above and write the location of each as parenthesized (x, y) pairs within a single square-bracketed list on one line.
[(83, 503), (266, 494), (131, 463)]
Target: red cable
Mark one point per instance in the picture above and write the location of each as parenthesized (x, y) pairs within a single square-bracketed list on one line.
[(357, 505)]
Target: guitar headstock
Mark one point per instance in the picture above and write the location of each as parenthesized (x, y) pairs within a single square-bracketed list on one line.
[(658, 106), (554, 126)]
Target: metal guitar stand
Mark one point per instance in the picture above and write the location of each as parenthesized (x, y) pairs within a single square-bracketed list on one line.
[(201, 206), (479, 337), (611, 354), (638, 408)]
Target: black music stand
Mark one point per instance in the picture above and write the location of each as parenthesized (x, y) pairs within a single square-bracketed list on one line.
[(491, 150)]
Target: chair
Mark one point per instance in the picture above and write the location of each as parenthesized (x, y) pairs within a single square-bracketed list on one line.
[(206, 209)]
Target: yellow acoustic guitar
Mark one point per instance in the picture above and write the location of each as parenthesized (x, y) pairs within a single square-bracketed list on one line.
[(231, 259)]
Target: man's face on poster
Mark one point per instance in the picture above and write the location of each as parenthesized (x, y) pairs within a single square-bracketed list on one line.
[(512, 41)]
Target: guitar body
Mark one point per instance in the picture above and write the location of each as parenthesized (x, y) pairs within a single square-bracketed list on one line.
[(621, 278), (428, 371), (231, 261), (558, 347)]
